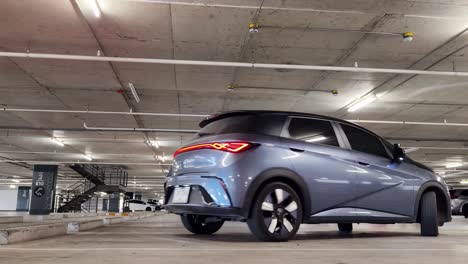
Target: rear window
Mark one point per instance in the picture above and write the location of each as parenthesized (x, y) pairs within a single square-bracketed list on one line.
[(258, 124)]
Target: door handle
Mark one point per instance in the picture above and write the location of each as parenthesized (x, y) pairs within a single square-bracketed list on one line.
[(363, 164), (296, 149)]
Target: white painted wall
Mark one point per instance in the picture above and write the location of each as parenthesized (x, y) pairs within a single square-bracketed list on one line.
[(8, 200)]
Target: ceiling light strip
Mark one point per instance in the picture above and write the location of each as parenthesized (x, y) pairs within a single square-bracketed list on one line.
[(134, 92), (227, 64)]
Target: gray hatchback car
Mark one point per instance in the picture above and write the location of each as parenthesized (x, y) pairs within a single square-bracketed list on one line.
[(276, 170)]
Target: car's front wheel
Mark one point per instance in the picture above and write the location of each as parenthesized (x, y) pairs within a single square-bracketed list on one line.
[(200, 224), (276, 213), (428, 215)]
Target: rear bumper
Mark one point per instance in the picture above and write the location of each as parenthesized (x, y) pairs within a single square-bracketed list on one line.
[(208, 196)]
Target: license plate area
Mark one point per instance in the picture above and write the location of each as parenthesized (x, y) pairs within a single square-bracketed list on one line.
[(181, 195)]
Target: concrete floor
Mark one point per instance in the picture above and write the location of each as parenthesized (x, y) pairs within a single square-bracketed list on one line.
[(162, 239)]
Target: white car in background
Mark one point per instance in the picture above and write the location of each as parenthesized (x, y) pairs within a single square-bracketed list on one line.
[(138, 205)]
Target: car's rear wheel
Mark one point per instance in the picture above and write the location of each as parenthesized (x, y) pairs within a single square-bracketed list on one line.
[(465, 210), (148, 209), (200, 224), (345, 228), (428, 215), (276, 213)]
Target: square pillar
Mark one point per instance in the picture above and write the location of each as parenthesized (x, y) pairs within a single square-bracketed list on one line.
[(43, 189), (114, 202), (22, 200)]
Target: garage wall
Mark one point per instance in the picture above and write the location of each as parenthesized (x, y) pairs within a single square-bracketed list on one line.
[(8, 200)]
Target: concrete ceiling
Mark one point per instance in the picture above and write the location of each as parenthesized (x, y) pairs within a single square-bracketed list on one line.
[(293, 32)]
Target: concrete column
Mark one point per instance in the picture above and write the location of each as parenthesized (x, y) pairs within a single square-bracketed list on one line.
[(114, 202), (43, 189), (104, 204), (22, 200)]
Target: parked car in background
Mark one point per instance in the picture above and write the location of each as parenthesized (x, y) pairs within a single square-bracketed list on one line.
[(138, 205), (156, 205), (277, 170), (459, 202)]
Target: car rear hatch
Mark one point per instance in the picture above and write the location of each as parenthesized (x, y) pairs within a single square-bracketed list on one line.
[(223, 139)]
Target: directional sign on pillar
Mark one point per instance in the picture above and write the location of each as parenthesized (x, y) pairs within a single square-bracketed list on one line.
[(43, 189)]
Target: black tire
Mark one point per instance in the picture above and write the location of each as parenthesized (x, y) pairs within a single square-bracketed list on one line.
[(148, 209), (465, 210), (276, 213), (428, 214), (126, 209), (197, 224), (345, 228)]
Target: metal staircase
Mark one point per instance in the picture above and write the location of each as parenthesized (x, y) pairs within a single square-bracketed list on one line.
[(95, 179)]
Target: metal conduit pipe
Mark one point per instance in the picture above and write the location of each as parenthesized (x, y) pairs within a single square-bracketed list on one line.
[(354, 121), (226, 64), (82, 162), (74, 153), (139, 129), (408, 123), (6, 109), (245, 6)]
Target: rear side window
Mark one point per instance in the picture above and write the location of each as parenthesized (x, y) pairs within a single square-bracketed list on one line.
[(313, 131), (362, 141)]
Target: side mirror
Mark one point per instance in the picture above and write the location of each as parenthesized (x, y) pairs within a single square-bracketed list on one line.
[(398, 154)]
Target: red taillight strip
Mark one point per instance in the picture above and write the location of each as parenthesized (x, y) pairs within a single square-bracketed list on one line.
[(233, 147), (241, 147)]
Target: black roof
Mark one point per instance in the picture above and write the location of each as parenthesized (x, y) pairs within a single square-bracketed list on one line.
[(222, 115)]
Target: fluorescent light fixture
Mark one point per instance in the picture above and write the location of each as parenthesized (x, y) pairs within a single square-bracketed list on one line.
[(95, 8), (362, 103), (316, 139), (154, 143), (15, 180), (146, 188), (409, 150), (464, 181), (58, 142), (133, 90), (12, 186), (454, 165), (88, 157)]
